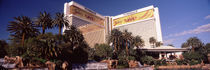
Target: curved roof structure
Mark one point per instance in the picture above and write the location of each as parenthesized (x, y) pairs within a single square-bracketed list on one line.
[(164, 49)]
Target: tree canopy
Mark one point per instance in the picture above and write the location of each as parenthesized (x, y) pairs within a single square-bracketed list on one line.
[(44, 20), (152, 40), (22, 28), (193, 43)]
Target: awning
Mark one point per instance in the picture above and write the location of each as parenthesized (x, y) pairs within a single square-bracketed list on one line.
[(164, 49)]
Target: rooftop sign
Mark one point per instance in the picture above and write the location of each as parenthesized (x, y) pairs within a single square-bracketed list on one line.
[(133, 17), (87, 14)]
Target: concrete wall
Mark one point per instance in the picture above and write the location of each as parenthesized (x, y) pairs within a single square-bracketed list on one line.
[(92, 36), (145, 29)]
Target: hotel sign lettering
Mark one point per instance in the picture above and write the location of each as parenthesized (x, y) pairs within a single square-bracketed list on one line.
[(86, 15), (133, 17)]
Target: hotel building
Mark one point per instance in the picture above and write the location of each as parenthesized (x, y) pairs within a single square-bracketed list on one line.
[(90, 23), (143, 22)]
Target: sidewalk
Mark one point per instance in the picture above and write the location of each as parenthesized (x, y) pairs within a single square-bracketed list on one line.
[(141, 68)]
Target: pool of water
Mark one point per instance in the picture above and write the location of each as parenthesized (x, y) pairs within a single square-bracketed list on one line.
[(183, 69)]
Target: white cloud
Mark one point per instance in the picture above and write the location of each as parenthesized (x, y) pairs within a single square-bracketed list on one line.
[(207, 17), (169, 41), (198, 30)]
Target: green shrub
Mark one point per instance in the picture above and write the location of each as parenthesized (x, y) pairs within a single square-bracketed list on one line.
[(3, 46), (131, 58), (163, 61), (194, 62), (148, 60), (41, 60), (103, 51), (192, 57), (160, 62), (122, 64), (181, 62)]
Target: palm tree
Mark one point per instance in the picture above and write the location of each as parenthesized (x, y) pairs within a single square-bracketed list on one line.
[(115, 38), (171, 45), (193, 42), (47, 44), (45, 21), (22, 28), (152, 40), (127, 36), (138, 41), (103, 50), (158, 44), (207, 46), (60, 21), (184, 45), (74, 37), (50, 48)]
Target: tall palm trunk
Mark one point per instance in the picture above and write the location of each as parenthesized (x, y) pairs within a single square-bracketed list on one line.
[(60, 33), (193, 48), (118, 45), (59, 30), (23, 38), (43, 29), (127, 48), (115, 47)]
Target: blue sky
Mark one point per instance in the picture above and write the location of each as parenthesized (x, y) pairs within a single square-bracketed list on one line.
[(180, 19)]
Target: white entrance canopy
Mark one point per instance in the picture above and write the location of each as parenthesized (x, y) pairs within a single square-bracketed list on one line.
[(164, 49)]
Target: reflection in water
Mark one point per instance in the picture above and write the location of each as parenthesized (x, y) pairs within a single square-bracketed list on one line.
[(6, 65)]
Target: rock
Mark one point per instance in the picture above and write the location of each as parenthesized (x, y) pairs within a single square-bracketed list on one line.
[(50, 65)]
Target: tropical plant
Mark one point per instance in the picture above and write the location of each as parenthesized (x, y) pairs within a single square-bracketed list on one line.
[(147, 60), (115, 39), (198, 51), (74, 36), (3, 45), (44, 20), (138, 42), (208, 47), (194, 42), (123, 60), (128, 39), (103, 51), (192, 56), (203, 51), (158, 44), (161, 62), (45, 43), (77, 45), (91, 53), (181, 62), (60, 21), (194, 62), (22, 28), (14, 44), (152, 41), (184, 45), (171, 45), (122, 64), (139, 54)]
